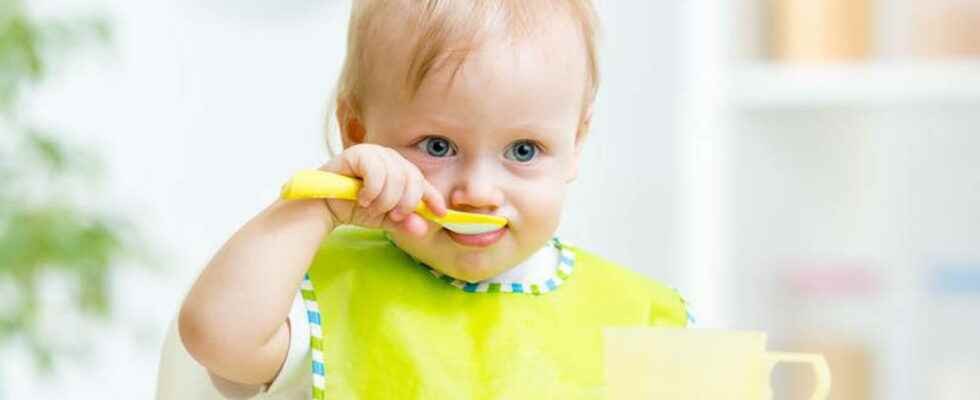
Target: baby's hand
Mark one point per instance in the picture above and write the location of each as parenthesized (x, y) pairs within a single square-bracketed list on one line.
[(392, 189)]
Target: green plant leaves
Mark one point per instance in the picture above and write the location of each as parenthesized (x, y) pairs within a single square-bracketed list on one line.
[(48, 236)]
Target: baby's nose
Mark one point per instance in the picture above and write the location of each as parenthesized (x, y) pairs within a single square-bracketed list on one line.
[(476, 193)]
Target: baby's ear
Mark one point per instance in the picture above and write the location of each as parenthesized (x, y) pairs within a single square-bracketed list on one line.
[(584, 125), (580, 136), (351, 129)]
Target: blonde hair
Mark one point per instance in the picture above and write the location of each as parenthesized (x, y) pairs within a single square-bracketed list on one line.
[(444, 29)]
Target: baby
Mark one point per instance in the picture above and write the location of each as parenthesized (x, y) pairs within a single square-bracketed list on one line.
[(473, 105)]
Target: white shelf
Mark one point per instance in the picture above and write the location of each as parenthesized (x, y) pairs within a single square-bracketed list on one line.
[(760, 87)]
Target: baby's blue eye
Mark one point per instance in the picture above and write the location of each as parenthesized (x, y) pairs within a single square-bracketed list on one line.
[(522, 151), (436, 147)]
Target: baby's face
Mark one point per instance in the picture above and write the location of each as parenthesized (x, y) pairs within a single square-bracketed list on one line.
[(499, 138)]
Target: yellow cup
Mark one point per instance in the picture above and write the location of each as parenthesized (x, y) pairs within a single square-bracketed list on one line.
[(697, 364)]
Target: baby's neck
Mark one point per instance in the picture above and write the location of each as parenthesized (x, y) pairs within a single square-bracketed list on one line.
[(536, 268)]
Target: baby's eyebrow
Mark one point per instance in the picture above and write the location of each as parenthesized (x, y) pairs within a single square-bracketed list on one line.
[(436, 123), (426, 123), (442, 120), (535, 130)]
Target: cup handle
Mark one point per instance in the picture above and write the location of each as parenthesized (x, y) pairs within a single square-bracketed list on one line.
[(820, 369)]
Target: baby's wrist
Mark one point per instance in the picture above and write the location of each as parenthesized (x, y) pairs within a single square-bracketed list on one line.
[(309, 210), (329, 216)]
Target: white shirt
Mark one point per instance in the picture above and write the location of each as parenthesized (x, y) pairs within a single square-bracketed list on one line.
[(182, 378)]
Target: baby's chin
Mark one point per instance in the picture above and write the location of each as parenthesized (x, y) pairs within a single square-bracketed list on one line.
[(475, 272), (470, 264), (473, 264)]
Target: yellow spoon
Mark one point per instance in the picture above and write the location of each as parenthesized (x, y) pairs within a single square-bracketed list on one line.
[(317, 184)]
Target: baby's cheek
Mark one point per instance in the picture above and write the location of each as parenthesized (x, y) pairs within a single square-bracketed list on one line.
[(541, 205)]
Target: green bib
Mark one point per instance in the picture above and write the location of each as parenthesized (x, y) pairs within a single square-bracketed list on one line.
[(387, 327)]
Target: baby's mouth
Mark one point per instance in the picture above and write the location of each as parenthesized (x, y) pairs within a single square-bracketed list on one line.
[(479, 240)]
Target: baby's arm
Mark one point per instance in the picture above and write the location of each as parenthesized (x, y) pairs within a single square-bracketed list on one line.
[(233, 321)]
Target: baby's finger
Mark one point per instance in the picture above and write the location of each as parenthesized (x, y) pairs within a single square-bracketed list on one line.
[(372, 171), (433, 198), (393, 190), (414, 187), (414, 225)]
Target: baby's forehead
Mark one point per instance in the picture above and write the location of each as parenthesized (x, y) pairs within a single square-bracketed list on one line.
[(527, 81), (405, 48)]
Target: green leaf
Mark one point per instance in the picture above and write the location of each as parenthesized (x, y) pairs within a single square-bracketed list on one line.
[(49, 150)]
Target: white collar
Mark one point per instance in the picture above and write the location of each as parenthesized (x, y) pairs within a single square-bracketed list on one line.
[(537, 268)]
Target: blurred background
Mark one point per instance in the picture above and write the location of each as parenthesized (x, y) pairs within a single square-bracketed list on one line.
[(810, 168)]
